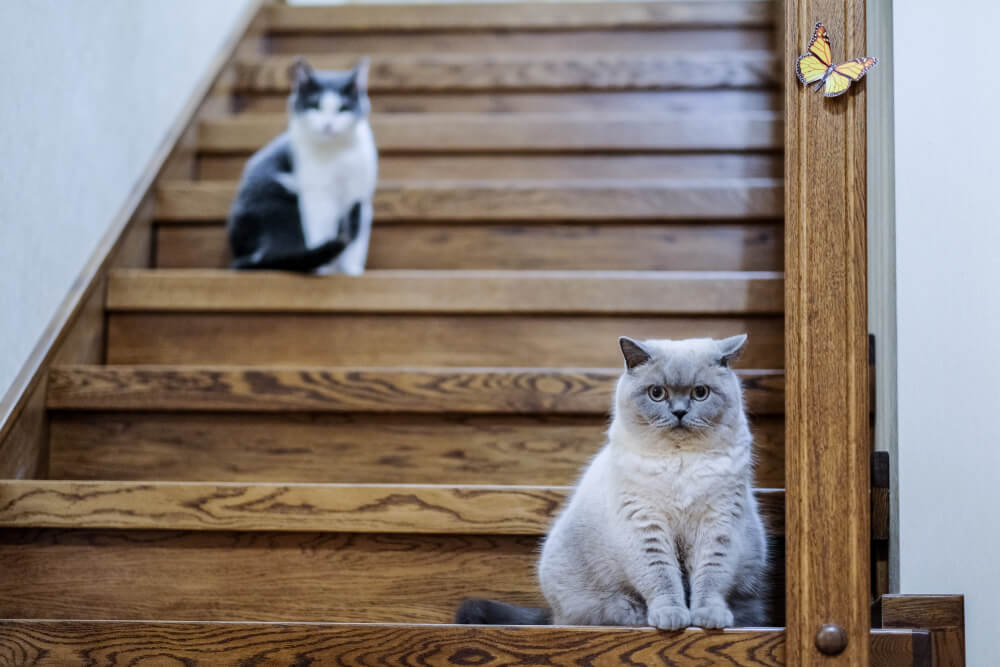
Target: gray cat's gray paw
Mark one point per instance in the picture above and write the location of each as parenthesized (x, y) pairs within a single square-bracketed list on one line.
[(712, 616), (669, 617)]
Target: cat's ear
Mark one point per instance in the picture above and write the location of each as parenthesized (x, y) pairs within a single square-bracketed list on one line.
[(731, 349), (634, 352), (361, 74), (299, 72)]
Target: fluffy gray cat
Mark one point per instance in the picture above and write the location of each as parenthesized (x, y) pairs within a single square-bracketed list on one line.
[(663, 528)]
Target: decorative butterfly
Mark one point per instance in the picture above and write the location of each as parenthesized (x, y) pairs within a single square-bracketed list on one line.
[(817, 66)]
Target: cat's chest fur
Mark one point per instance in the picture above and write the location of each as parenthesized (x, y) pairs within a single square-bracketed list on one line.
[(329, 179), (681, 485)]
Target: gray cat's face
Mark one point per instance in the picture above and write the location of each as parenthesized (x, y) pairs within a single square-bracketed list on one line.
[(680, 387), (327, 104)]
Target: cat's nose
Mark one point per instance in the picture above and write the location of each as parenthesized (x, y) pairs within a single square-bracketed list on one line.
[(680, 414)]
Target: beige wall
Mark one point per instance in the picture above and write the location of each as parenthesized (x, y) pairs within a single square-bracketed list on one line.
[(89, 89)]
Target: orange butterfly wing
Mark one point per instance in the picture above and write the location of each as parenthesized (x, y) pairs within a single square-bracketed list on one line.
[(845, 74), (812, 66)]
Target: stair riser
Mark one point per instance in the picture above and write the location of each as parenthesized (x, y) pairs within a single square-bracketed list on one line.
[(415, 340), (348, 448), (542, 167), (655, 70), (587, 41), (749, 247), (267, 576), (624, 131), (652, 101)]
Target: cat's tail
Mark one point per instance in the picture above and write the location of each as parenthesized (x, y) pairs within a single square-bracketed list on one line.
[(490, 612), (304, 262), (310, 259)]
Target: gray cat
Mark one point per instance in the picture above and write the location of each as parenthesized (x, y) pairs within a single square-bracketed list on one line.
[(663, 528)]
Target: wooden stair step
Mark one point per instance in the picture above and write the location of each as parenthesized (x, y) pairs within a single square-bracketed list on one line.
[(456, 426), (554, 40), (335, 508), (698, 246), (454, 319), (521, 16), (119, 642), (277, 551), (522, 201), (459, 426), (347, 447), (565, 167), (416, 339), (544, 292), (604, 101), (527, 132), (425, 72), (382, 390)]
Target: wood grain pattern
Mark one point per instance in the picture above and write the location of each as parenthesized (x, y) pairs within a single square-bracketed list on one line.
[(544, 167), (354, 508), (524, 201), (285, 389), (522, 16), (433, 509), (557, 247), (449, 71), (621, 131), (648, 101), (547, 292), (130, 643), (302, 577), (373, 448), (415, 340), (520, 41), (134, 642), (827, 458), (922, 611), (259, 576), (948, 647)]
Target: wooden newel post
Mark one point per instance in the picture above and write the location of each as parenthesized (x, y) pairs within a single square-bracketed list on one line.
[(826, 470)]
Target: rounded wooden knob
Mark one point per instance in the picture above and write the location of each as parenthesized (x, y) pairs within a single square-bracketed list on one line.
[(831, 639)]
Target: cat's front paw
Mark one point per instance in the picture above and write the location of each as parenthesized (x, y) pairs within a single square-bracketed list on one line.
[(669, 617), (712, 616)]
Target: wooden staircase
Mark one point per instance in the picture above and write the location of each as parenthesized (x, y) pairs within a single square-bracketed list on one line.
[(280, 469)]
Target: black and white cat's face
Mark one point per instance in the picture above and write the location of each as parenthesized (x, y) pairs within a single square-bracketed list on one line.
[(680, 387), (325, 105)]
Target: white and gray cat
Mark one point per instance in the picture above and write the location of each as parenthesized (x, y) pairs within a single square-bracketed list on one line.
[(663, 528), (305, 200)]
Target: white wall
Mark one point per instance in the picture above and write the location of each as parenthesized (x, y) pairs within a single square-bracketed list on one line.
[(948, 308), (89, 88)]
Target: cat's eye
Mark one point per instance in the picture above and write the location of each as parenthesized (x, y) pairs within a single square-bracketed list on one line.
[(700, 392), (346, 106), (657, 393)]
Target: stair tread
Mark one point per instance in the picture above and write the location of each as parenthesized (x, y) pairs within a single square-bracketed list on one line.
[(331, 389), (232, 642), (575, 71), (513, 200), (257, 506), (405, 291), (529, 132), (521, 16)]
